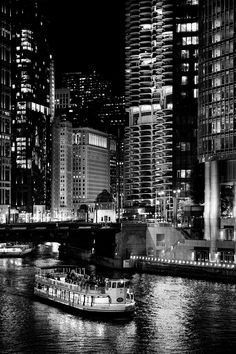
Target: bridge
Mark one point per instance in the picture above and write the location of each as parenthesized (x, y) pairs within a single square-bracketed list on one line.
[(83, 235)]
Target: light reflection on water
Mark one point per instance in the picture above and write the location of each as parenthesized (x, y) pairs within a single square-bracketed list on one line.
[(173, 315)]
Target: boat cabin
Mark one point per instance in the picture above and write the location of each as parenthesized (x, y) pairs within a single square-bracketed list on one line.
[(118, 290)]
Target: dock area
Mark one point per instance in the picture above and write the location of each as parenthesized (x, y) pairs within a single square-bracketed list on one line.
[(216, 271)]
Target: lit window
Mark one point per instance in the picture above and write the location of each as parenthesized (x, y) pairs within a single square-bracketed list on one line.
[(185, 66), (190, 40), (195, 54), (194, 26), (216, 66), (183, 146), (187, 27), (216, 37), (184, 80), (184, 53), (192, 2)]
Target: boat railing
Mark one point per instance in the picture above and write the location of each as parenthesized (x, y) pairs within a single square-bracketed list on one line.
[(81, 286), (60, 269)]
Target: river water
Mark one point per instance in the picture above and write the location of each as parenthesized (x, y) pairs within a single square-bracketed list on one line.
[(173, 315)]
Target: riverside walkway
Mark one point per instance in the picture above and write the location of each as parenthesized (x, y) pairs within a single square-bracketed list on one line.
[(218, 271)]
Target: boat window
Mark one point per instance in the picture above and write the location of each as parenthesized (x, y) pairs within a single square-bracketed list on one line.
[(114, 285), (120, 284), (109, 284)]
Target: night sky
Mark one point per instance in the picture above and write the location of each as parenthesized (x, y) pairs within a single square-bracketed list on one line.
[(88, 34)]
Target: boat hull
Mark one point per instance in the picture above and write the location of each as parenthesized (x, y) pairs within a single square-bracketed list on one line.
[(11, 254), (121, 313)]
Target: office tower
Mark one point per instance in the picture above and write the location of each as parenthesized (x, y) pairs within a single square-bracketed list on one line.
[(49, 135), (62, 158), (80, 168), (5, 110), (62, 101), (52, 88), (113, 119), (216, 132), (88, 92), (112, 116), (161, 99), (116, 178), (91, 165), (33, 83)]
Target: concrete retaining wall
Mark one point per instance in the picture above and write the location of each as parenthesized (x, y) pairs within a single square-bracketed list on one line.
[(214, 272)]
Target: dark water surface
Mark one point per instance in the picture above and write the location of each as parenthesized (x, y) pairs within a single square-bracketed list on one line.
[(173, 315)]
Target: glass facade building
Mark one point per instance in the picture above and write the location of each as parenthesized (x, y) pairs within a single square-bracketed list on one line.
[(88, 92), (217, 124), (217, 134), (32, 84), (5, 109)]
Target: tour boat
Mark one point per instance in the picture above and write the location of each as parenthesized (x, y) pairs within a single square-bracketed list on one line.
[(70, 287), (15, 250)]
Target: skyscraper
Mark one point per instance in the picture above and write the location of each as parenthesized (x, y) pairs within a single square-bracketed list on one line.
[(91, 165), (217, 125), (161, 99), (5, 109), (112, 116), (62, 170), (33, 83), (62, 101), (80, 167), (88, 92), (113, 119)]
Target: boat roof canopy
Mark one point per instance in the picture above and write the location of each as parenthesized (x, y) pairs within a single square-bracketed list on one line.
[(76, 268)]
